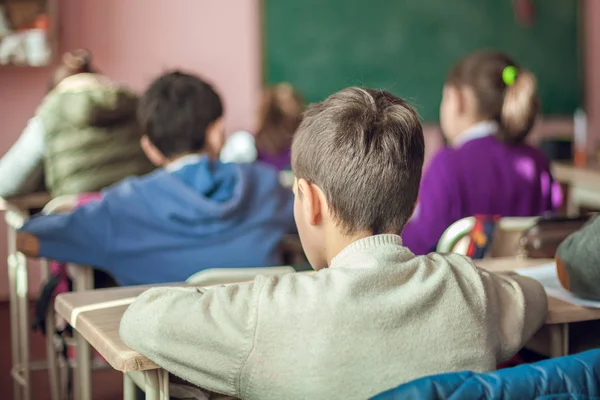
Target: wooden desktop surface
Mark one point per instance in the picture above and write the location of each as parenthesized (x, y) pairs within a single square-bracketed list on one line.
[(587, 178), (100, 327), (30, 201)]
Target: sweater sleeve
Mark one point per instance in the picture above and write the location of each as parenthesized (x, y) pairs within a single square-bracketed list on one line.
[(519, 305), (437, 207), (202, 336), (21, 168), (79, 237)]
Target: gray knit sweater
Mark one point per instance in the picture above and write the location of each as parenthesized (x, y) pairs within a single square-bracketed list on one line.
[(580, 254), (377, 317)]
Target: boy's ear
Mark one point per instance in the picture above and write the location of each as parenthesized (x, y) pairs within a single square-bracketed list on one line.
[(154, 155), (312, 206), (215, 137)]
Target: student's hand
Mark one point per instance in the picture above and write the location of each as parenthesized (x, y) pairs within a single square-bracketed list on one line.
[(563, 275), (28, 244)]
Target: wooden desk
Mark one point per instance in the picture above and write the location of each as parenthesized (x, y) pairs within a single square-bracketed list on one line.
[(553, 337), (96, 315), (584, 186), (16, 213)]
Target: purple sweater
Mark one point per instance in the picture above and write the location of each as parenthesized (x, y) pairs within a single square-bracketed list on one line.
[(482, 177)]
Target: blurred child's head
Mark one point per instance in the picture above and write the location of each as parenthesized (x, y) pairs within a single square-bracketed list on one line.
[(279, 116), (180, 114), (73, 62), (488, 85), (357, 159)]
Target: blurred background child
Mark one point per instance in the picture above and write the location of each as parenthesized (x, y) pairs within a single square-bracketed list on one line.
[(83, 137), (192, 213), (488, 108), (279, 116)]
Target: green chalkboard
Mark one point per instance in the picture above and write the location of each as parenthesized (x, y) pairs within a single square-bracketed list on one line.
[(408, 46)]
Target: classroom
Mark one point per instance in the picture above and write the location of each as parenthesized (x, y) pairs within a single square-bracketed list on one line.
[(299, 199)]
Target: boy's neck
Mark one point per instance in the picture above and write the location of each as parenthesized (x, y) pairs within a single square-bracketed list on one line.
[(179, 161), (339, 242)]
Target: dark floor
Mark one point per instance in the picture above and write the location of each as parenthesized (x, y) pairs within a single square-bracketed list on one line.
[(107, 383)]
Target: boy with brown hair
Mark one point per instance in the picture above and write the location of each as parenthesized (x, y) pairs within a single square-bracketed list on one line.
[(373, 315), (192, 213)]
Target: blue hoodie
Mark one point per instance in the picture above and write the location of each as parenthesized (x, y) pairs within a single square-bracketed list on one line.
[(174, 222)]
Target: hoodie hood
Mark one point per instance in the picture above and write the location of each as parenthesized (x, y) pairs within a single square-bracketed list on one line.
[(198, 196), (95, 100)]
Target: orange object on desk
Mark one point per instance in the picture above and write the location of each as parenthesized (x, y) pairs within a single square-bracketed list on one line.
[(41, 22), (580, 158)]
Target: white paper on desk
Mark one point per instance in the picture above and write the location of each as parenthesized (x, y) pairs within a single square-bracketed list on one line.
[(546, 275)]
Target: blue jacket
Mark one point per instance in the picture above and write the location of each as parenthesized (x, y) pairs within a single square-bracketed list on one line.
[(575, 377), (174, 222)]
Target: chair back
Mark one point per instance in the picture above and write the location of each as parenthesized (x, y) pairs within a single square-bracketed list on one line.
[(60, 205), (496, 237), (575, 377)]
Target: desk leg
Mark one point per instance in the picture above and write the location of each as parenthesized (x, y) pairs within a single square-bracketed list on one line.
[(84, 368), (51, 355), (23, 307), (559, 340), (153, 385), (83, 280), (17, 281), (128, 387), (15, 339), (164, 384)]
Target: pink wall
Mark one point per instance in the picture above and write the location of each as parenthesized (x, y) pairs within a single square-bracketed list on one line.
[(135, 40)]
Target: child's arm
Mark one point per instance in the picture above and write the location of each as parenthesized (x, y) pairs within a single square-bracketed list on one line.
[(578, 261), (79, 237), (202, 336), (28, 244), (518, 305), (437, 207), (21, 167)]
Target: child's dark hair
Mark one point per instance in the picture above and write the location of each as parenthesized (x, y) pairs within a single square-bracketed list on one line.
[(364, 148), (513, 104), (279, 116), (73, 62), (176, 111)]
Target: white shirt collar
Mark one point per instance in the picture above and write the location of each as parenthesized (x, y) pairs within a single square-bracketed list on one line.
[(182, 162), (477, 131)]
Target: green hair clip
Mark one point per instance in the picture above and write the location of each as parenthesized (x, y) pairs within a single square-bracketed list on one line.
[(509, 74)]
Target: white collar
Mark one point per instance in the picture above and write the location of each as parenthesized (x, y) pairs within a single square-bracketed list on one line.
[(182, 162), (477, 131)]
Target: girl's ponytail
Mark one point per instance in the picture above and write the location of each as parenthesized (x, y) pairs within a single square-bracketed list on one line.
[(520, 106)]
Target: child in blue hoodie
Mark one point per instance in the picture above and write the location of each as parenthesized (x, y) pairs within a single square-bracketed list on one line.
[(192, 214)]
